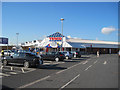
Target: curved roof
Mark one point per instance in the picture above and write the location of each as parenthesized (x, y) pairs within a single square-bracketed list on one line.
[(57, 34)]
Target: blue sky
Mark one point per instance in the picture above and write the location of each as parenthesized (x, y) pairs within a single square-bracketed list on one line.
[(35, 20)]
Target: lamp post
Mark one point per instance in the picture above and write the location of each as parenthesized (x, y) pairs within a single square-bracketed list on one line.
[(62, 32), (17, 38)]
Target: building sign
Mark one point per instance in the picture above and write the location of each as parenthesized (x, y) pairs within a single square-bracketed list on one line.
[(55, 38), (3, 40)]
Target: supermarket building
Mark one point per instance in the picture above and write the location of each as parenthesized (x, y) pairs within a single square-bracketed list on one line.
[(54, 42)]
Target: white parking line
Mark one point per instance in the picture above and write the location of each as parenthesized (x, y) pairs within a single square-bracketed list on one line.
[(30, 71), (88, 67), (12, 72), (1, 76), (68, 68), (46, 63), (105, 62), (1, 67), (95, 62), (69, 82), (85, 62), (4, 74), (34, 82), (22, 70)]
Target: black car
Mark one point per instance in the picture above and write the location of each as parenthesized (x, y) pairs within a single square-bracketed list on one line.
[(25, 58), (53, 56)]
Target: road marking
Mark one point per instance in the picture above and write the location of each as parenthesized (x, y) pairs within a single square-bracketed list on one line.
[(1, 67), (30, 71), (13, 70), (105, 62), (69, 82), (46, 63), (60, 71), (34, 82), (4, 74), (85, 62), (22, 70), (68, 68), (12, 73), (1, 76), (95, 62), (88, 67)]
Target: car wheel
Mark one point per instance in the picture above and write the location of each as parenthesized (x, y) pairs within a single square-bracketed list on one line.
[(26, 64), (56, 59), (67, 57), (5, 62)]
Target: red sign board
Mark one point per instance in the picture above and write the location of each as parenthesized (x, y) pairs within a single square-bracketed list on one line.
[(55, 38)]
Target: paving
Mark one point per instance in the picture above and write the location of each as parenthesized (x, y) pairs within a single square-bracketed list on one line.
[(89, 71)]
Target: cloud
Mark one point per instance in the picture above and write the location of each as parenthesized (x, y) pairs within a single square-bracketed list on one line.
[(108, 30)]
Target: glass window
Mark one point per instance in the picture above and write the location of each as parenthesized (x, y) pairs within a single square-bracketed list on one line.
[(22, 55), (15, 55)]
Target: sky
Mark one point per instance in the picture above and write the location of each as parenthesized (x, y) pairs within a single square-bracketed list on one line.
[(36, 20)]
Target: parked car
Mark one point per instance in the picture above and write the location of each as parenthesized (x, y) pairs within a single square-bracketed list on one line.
[(8, 53), (25, 58), (73, 53), (76, 54), (57, 56), (68, 55)]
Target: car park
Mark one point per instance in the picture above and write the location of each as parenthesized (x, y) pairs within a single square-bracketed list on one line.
[(25, 58), (68, 55), (57, 56)]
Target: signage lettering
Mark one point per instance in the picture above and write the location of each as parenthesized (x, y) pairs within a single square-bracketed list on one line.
[(55, 38)]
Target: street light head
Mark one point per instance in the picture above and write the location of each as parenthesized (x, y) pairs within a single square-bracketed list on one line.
[(17, 33), (62, 19)]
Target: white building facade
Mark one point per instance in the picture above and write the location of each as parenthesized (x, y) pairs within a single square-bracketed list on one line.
[(54, 42)]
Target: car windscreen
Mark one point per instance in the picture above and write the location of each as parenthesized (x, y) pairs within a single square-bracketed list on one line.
[(30, 55)]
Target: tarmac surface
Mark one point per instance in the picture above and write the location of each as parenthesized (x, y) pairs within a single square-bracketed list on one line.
[(89, 71)]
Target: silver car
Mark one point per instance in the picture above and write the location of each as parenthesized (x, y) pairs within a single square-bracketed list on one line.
[(8, 52), (68, 55)]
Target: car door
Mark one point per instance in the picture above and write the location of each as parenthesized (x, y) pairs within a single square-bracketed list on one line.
[(48, 55), (21, 58), (52, 56), (14, 58), (44, 56)]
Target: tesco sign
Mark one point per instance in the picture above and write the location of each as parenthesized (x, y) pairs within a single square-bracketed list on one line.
[(55, 38)]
